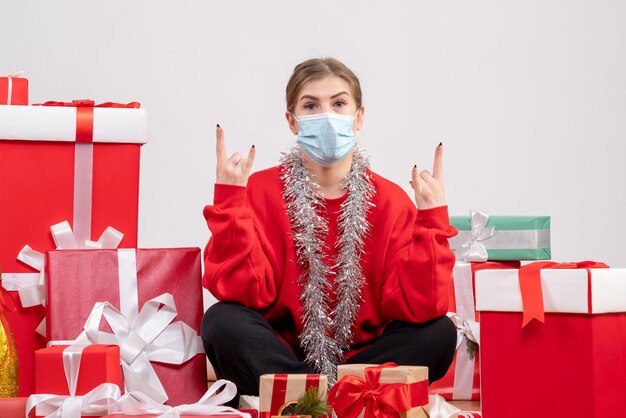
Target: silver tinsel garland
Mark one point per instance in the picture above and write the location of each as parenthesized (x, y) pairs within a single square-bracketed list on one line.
[(327, 334)]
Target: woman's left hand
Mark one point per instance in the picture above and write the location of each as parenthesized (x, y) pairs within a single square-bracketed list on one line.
[(429, 191)]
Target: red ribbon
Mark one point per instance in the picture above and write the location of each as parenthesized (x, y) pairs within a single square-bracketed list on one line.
[(91, 103), (530, 285), (84, 115), (352, 394)]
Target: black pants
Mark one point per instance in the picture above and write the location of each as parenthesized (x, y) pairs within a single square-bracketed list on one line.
[(242, 346)]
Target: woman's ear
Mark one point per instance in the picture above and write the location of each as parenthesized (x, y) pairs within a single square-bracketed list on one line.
[(358, 120), (293, 123)]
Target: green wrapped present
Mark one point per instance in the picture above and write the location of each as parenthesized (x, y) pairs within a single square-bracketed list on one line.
[(482, 237)]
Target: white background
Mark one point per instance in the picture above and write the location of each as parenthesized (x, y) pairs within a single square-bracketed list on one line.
[(529, 97)]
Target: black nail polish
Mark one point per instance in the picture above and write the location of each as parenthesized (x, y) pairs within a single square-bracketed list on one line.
[(415, 166), (252, 146), (441, 143), (218, 125)]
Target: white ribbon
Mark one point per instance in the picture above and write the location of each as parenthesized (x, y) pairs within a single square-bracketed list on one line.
[(29, 285), (137, 403), (147, 336), (473, 249), (467, 329), (100, 400), (439, 408)]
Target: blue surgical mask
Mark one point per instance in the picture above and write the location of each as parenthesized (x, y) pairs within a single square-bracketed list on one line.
[(326, 137)]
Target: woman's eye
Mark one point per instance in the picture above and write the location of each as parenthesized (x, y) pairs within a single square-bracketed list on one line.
[(309, 106), (340, 103)]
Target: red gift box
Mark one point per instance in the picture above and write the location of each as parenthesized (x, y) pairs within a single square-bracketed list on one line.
[(51, 178), (74, 371), (462, 381), (142, 284), (571, 365), (98, 364), (13, 90)]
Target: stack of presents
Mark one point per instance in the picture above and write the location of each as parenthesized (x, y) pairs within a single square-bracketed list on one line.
[(92, 326)]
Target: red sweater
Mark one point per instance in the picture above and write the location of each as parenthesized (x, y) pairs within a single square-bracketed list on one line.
[(250, 258)]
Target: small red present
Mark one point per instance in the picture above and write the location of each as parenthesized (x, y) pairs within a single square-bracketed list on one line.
[(155, 294), (462, 381), (13, 89), (89, 375), (277, 390), (555, 332), (75, 163)]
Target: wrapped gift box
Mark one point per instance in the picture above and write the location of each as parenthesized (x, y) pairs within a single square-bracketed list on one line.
[(52, 173), (462, 381), (166, 281), (414, 381), (79, 372), (572, 365), (512, 237), (98, 364), (276, 390), (13, 90)]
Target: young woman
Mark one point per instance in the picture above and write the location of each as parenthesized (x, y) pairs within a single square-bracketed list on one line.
[(320, 261)]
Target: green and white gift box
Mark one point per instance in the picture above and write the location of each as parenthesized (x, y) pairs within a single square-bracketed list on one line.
[(483, 237)]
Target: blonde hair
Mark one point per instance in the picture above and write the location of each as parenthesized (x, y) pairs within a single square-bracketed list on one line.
[(316, 69)]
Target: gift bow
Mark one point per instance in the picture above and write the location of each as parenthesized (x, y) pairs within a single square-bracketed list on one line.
[(100, 400), (13, 75), (350, 395), (439, 408), (138, 403), (465, 329), (150, 336), (530, 285), (90, 103), (472, 249)]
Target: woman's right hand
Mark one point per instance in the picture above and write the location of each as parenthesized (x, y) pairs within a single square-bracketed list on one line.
[(234, 170)]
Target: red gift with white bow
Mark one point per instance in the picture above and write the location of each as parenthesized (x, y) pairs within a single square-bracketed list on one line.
[(147, 301), (74, 167), (76, 381)]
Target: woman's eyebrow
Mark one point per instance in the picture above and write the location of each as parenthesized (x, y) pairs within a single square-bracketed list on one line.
[(308, 96)]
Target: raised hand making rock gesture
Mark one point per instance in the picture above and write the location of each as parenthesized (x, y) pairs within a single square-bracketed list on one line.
[(429, 190), (234, 170)]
